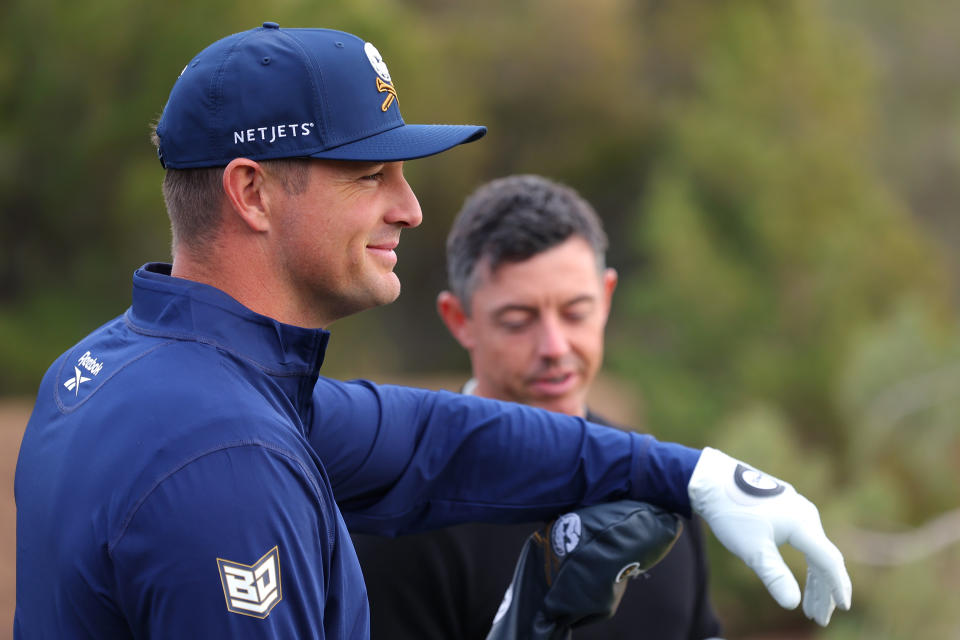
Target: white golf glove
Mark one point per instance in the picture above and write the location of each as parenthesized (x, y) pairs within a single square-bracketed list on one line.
[(752, 513)]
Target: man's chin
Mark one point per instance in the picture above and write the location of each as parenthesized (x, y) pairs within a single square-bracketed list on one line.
[(387, 292), (371, 298), (391, 297)]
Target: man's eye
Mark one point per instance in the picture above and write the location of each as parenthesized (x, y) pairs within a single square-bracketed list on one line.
[(515, 322), (374, 176), (578, 312)]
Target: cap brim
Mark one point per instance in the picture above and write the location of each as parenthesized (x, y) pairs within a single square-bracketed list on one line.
[(405, 142)]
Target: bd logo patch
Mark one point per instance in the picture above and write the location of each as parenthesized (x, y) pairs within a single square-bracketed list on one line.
[(252, 590)]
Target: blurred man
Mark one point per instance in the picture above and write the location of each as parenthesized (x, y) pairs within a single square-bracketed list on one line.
[(529, 298)]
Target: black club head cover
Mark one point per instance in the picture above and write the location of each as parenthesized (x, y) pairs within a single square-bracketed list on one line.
[(575, 569)]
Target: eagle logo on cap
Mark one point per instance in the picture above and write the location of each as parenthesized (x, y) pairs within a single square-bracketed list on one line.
[(384, 83)]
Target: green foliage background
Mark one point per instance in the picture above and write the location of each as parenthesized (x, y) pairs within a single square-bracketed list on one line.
[(778, 180)]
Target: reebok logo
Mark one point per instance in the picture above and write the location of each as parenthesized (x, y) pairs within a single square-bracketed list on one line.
[(89, 363), (252, 590), (73, 384)]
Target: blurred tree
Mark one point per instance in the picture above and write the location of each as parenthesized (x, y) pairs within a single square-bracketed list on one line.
[(773, 247), (770, 238), (916, 47)]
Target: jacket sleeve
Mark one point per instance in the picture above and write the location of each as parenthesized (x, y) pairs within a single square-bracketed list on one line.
[(234, 544), (403, 459)]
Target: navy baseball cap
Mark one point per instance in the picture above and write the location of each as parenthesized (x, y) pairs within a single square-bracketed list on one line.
[(281, 93)]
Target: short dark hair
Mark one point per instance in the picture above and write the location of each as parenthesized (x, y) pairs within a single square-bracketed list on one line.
[(512, 219), (193, 196)]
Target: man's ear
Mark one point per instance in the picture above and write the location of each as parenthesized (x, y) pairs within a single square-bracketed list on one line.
[(453, 315), (609, 281), (243, 185)]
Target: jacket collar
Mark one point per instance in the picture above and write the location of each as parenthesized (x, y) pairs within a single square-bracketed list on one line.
[(182, 309)]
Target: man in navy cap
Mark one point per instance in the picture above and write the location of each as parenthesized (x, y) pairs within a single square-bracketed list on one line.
[(186, 471)]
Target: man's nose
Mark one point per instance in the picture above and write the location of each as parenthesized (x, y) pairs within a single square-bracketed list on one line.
[(553, 342), (405, 209)]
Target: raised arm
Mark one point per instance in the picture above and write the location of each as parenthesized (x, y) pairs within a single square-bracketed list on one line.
[(405, 459), (409, 460)]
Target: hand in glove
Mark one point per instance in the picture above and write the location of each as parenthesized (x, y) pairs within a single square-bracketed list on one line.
[(752, 513)]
